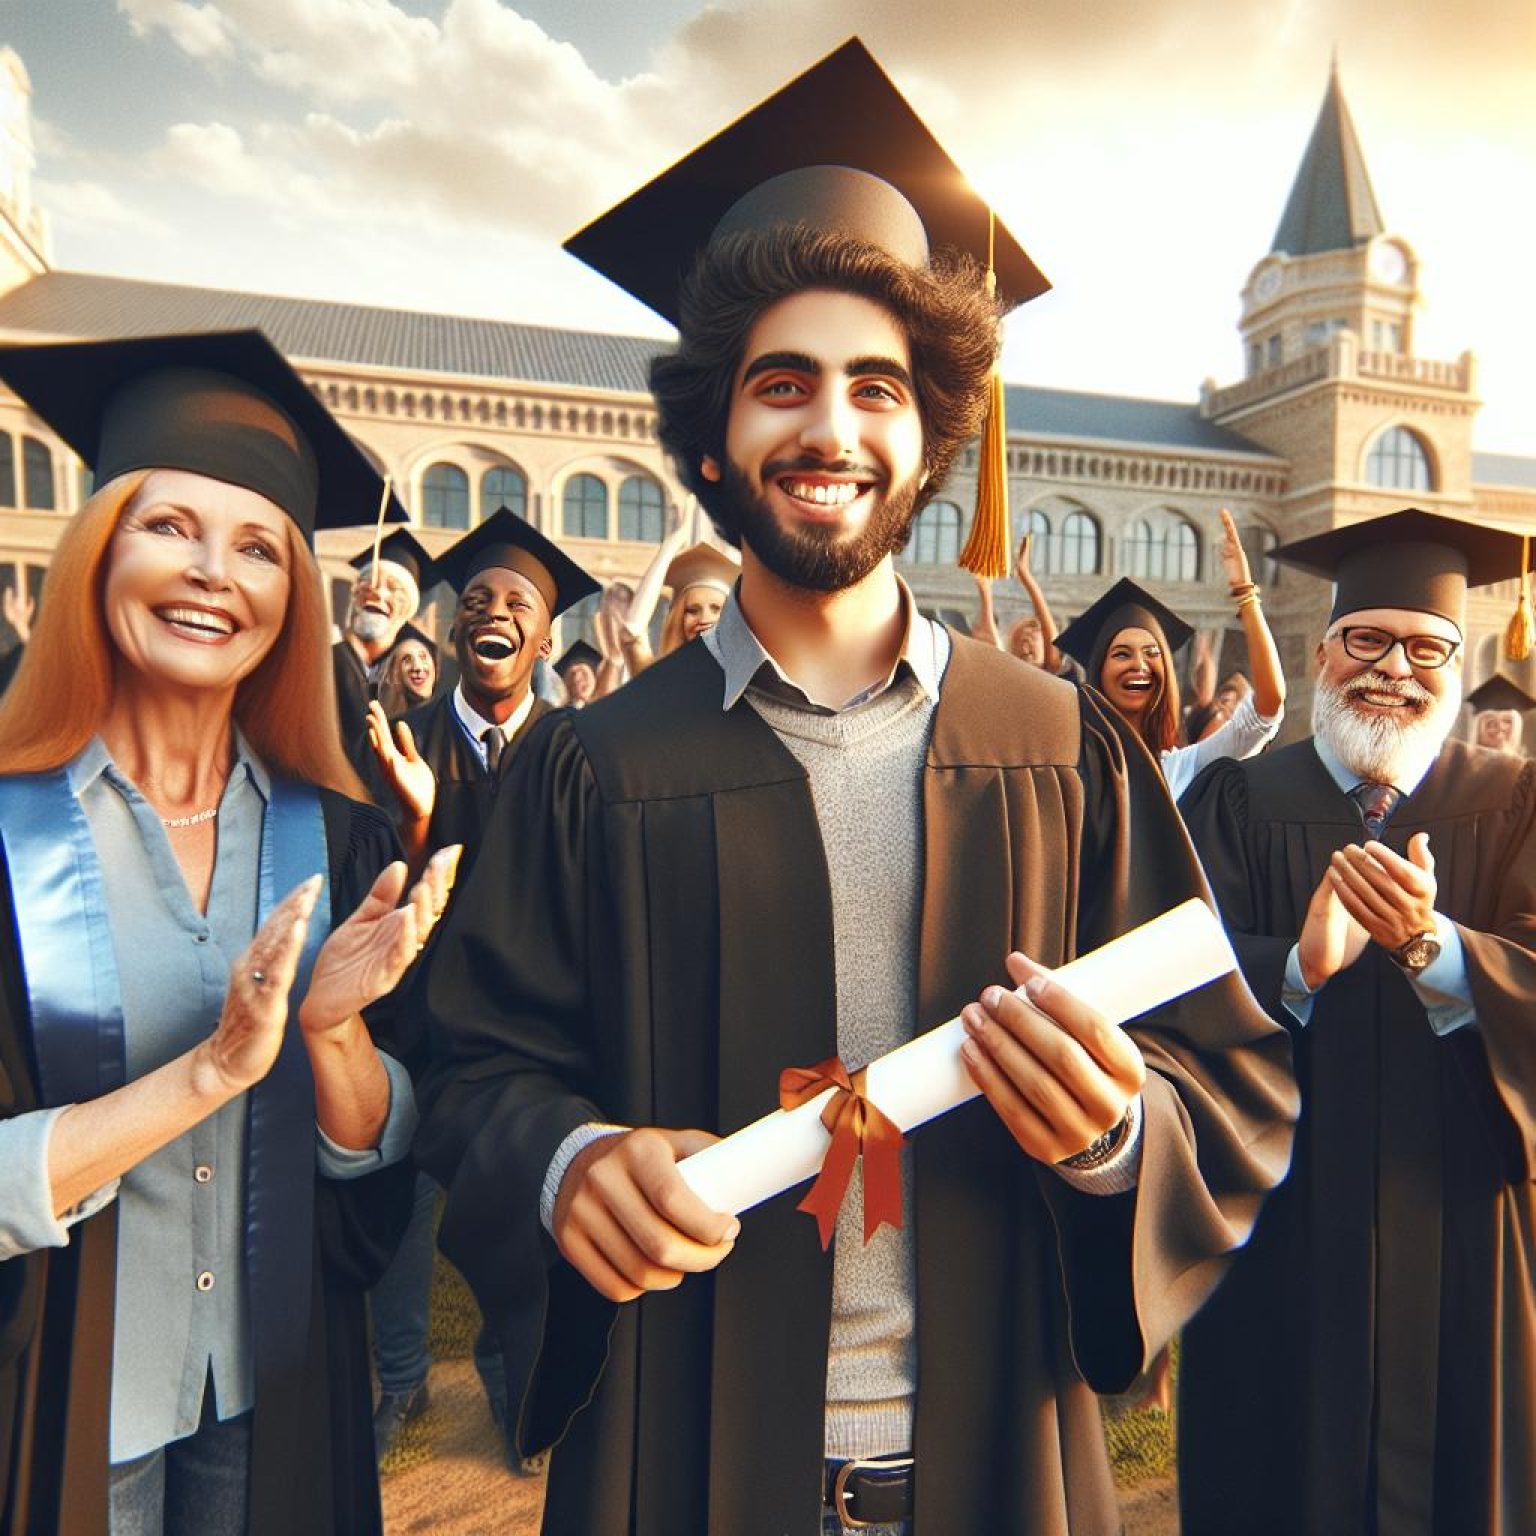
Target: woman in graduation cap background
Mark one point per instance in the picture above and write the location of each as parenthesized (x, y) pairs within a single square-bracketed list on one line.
[(197, 1131), (1126, 642)]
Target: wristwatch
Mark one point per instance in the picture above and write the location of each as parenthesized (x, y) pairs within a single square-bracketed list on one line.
[(1421, 950)]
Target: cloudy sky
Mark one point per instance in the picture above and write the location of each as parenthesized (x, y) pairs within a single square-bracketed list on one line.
[(430, 154)]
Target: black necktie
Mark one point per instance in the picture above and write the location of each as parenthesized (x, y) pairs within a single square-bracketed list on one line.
[(495, 740), (1376, 802)]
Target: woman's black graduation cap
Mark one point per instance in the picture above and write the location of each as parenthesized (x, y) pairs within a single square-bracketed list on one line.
[(507, 540), (1499, 692), (837, 148), (1126, 605), (579, 651), (220, 403), (1423, 561)]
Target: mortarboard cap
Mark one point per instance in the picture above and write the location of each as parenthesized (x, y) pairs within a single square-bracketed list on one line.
[(421, 637), (400, 547), (1411, 559), (702, 565), (220, 403), (578, 652), (837, 148), (1125, 606), (1499, 692), (506, 540)]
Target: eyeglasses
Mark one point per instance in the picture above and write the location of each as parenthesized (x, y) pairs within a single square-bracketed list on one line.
[(1367, 643)]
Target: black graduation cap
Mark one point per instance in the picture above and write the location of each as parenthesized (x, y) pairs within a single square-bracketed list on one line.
[(1125, 606), (507, 540), (220, 403), (404, 549), (838, 148), (1499, 692), (1412, 559), (579, 651), (420, 636)]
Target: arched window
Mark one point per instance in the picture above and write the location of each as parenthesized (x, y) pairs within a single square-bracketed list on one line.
[(1037, 524), (1079, 545), (1161, 546), (1397, 461), (640, 505), (579, 622), (937, 535), (7, 470), (584, 508), (445, 497), (503, 487), (37, 473)]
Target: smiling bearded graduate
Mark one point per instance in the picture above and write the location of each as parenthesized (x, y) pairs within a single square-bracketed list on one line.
[(1379, 884), (816, 829), (445, 759)]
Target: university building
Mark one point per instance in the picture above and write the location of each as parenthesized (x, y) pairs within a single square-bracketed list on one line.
[(1336, 418)]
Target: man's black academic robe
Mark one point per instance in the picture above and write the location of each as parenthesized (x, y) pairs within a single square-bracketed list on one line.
[(1370, 1363), (464, 788), (353, 695), (647, 938), (312, 1471)]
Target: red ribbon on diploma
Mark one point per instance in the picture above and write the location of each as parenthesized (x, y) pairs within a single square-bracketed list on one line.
[(858, 1128)]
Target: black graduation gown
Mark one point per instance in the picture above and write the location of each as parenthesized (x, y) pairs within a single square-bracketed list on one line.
[(464, 788), (353, 695), (312, 1470), (647, 938), (1370, 1364)]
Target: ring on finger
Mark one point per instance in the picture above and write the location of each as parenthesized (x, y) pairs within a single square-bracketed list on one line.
[(259, 977)]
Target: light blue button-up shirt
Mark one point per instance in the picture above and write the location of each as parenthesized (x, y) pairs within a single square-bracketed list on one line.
[(182, 1306), (1442, 986)]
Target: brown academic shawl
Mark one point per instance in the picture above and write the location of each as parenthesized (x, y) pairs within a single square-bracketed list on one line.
[(1370, 1364), (646, 937)]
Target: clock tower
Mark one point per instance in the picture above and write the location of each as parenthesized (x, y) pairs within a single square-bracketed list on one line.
[(1332, 381)]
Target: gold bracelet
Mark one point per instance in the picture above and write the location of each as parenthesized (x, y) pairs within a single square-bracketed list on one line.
[(1252, 597), (1242, 588)]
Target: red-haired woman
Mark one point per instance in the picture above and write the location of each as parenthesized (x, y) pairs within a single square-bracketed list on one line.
[(1125, 643), (193, 1114)]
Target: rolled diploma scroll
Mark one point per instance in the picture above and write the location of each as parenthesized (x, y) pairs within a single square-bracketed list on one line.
[(1172, 954)]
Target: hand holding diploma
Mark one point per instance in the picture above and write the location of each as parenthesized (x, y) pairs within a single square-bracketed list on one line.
[(1057, 1072), (626, 1221)]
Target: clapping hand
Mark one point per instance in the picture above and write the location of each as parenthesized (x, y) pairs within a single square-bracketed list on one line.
[(410, 776), (249, 1035), (368, 954)]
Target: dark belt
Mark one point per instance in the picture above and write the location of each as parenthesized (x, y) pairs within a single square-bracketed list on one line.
[(877, 1491)]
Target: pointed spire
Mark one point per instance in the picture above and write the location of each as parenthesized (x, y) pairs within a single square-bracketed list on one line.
[(1331, 206)]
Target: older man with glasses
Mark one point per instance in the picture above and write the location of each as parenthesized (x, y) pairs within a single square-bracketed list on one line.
[(1379, 881)]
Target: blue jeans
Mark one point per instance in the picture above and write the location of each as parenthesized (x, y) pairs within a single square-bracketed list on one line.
[(400, 1303), (196, 1486)]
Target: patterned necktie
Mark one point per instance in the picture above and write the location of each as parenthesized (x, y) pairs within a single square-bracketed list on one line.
[(1376, 802), (495, 740)]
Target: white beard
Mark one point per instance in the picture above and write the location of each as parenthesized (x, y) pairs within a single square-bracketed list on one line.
[(370, 628), (1385, 748)]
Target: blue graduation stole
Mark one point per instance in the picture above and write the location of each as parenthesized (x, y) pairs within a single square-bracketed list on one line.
[(75, 999)]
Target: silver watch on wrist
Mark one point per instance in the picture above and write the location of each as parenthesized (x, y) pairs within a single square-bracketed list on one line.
[(1422, 950)]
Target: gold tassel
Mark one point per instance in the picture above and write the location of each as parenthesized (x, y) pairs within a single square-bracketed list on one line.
[(987, 551), (1520, 636)]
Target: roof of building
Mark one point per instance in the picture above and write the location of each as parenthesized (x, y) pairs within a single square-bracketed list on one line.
[(320, 331), (316, 330), (1507, 469), (1120, 418), (1331, 206)]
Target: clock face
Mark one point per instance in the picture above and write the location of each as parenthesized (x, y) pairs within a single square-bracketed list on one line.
[(1268, 284), (1388, 264)]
